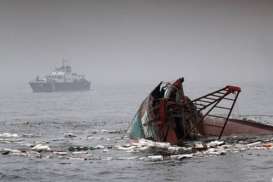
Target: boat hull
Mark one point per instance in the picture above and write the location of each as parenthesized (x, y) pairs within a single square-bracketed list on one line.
[(213, 127), (60, 86)]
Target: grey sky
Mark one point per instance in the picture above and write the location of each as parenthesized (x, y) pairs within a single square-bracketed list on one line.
[(136, 40)]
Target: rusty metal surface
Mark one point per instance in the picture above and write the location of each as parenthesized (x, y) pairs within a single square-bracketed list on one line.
[(167, 115), (212, 127)]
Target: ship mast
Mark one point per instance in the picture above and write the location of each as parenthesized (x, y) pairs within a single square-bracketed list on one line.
[(64, 61)]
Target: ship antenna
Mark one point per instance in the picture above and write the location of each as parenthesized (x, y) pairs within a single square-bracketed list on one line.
[(64, 61)]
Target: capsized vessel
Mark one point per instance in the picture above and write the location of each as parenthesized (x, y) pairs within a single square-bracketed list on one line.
[(167, 115)]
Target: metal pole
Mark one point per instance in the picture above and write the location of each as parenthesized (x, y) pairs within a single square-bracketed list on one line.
[(228, 115)]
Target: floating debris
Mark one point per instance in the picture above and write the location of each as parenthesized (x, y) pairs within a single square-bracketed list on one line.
[(8, 151), (199, 146), (9, 135), (145, 150), (194, 149), (215, 143), (126, 148), (69, 135), (152, 158), (99, 147), (80, 152), (215, 151), (91, 137), (5, 152), (254, 144), (41, 148), (128, 158), (60, 153), (181, 156), (33, 154), (78, 148), (268, 145)]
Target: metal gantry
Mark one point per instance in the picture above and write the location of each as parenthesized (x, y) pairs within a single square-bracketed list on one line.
[(209, 102)]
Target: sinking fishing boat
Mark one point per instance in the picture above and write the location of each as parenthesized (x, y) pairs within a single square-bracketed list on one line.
[(168, 115)]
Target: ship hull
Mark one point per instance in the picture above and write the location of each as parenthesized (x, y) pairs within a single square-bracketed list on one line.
[(213, 127), (60, 86)]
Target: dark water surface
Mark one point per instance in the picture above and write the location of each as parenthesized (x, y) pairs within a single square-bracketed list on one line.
[(100, 118)]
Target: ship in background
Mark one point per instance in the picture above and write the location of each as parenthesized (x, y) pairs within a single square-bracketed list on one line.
[(60, 80)]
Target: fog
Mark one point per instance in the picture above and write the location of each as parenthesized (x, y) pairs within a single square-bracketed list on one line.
[(137, 41)]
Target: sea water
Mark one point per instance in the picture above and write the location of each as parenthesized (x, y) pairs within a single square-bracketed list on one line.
[(98, 120)]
